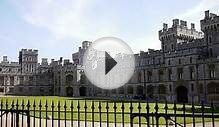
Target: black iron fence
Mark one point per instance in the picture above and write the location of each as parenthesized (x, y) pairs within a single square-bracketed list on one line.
[(92, 113)]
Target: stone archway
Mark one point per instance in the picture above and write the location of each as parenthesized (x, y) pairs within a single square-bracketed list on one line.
[(182, 94), (69, 91), (83, 91)]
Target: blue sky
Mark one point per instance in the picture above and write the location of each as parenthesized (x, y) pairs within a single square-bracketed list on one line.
[(57, 27)]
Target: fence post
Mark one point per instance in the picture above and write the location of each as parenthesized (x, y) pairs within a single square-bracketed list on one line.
[(65, 107), (40, 108), (123, 110), (72, 115), (166, 116), (59, 106), (203, 111), (78, 113), (107, 114), (1, 111), (212, 113), (85, 114), (184, 114), (12, 113), (175, 119), (100, 113), (34, 112), (28, 113), (52, 106), (6, 124), (92, 107), (46, 106), (148, 111), (114, 107), (139, 111), (17, 114), (193, 113), (156, 114), (131, 110)]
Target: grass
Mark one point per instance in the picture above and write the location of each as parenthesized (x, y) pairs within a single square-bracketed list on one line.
[(75, 101)]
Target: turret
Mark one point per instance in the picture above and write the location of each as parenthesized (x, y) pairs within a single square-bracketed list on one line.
[(178, 33), (210, 27)]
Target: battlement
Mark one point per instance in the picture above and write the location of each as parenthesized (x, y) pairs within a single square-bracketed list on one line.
[(29, 51), (210, 22), (149, 53), (179, 30)]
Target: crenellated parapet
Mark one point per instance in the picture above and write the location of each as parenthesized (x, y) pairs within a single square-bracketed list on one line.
[(29, 51), (210, 22), (179, 30)]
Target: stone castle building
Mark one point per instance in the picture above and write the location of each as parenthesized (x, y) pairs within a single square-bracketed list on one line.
[(186, 68)]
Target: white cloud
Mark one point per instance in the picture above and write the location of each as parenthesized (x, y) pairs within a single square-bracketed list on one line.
[(66, 19)]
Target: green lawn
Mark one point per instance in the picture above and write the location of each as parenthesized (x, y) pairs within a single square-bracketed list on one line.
[(81, 102)]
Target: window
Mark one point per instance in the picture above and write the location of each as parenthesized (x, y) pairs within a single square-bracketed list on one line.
[(190, 60), (192, 87), (172, 47), (21, 78), (180, 73), (169, 74), (139, 77), (168, 62), (11, 89), (170, 88), (41, 89), (149, 75), (210, 52), (180, 61), (211, 71), (1, 89), (0, 69), (160, 73), (192, 73), (20, 89), (209, 39)]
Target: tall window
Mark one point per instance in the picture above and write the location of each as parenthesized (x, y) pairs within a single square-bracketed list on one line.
[(190, 60), (212, 71), (139, 77), (180, 73), (192, 87), (160, 73), (149, 76), (180, 61), (192, 73), (169, 74)]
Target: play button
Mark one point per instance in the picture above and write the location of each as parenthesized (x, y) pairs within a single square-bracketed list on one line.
[(109, 63)]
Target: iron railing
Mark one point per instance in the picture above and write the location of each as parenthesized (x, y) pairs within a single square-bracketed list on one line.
[(92, 113)]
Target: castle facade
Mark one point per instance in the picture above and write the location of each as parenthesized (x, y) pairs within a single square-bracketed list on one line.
[(185, 69)]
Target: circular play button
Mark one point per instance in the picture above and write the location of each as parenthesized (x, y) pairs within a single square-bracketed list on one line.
[(109, 63)]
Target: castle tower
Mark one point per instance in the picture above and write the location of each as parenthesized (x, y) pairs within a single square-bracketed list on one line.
[(178, 33), (28, 60), (210, 27)]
